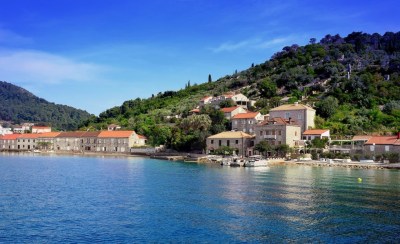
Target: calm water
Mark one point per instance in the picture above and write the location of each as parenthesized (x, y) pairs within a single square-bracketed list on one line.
[(90, 199)]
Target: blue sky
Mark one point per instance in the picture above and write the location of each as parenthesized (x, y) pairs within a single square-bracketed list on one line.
[(95, 54)]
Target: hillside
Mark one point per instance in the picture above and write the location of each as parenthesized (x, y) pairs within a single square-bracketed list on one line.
[(353, 82), (18, 105)]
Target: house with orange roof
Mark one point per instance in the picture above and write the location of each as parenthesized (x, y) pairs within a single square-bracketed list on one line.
[(205, 100), (116, 141), (8, 142), (113, 127), (239, 99), (140, 141), (232, 111), (309, 135), (303, 114), (27, 142), (246, 121), (45, 141), (40, 129), (241, 142), (277, 131), (89, 141), (382, 144), (5, 131)]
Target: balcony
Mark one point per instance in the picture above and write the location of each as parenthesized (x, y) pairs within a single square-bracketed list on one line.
[(270, 137)]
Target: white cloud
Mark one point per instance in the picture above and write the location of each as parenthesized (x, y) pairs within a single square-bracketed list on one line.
[(229, 46), (273, 42), (30, 66)]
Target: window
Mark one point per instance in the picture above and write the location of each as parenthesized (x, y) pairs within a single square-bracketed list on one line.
[(299, 116), (227, 143), (261, 132), (235, 122), (386, 148), (219, 143), (287, 115), (212, 141), (295, 133), (280, 132), (237, 141)]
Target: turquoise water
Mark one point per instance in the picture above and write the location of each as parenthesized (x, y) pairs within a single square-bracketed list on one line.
[(126, 200)]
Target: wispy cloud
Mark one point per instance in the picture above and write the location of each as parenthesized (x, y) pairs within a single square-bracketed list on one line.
[(251, 44), (9, 37), (30, 66)]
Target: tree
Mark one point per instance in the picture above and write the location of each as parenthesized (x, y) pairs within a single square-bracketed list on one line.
[(267, 88), (263, 147), (313, 41), (327, 107), (224, 150), (319, 143), (226, 103), (282, 150), (209, 78)]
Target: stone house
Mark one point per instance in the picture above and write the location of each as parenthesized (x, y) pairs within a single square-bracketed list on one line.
[(205, 100), (240, 141), (246, 121), (69, 141), (115, 141), (232, 111), (27, 142), (113, 127), (89, 141), (8, 142), (277, 131), (303, 114), (46, 140), (382, 144)]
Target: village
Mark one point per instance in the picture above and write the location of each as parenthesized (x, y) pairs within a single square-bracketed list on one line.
[(289, 127)]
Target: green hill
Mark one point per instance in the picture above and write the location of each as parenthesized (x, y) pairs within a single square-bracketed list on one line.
[(353, 82), (17, 105)]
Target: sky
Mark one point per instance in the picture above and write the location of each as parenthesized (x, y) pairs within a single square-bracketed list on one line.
[(96, 54)]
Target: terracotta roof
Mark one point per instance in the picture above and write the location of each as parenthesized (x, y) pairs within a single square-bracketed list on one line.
[(278, 121), (383, 140), (314, 132), (116, 134), (361, 138), (292, 107), (29, 136), (48, 134), (248, 115), (231, 134), (91, 134), (71, 134), (10, 137), (142, 137), (230, 109)]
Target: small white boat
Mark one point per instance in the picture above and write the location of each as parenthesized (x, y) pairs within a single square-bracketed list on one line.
[(255, 161), (36, 151), (233, 162)]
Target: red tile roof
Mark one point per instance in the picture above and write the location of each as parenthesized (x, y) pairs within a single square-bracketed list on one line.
[(314, 132), (91, 134), (10, 137), (383, 140), (71, 134), (41, 127), (116, 134), (230, 109), (249, 115), (142, 137), (48, 134), (205, 98), (278, 121), (29, 136), (361, 138)]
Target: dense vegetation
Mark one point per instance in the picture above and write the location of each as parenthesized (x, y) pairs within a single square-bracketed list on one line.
[(17, 105), (353, 82)]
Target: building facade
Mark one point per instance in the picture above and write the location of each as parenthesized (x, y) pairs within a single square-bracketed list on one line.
[(232, 111), (303, 114), (241, 142), (277, 131), (246, 121)]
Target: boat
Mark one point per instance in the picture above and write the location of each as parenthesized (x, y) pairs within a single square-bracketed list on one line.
[(36, 151), (255, 161), (233, 162)]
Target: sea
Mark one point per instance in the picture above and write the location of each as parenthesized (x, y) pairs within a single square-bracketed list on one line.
[(76, 199)]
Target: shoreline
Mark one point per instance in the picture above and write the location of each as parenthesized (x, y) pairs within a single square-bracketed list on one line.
[(201, 160)]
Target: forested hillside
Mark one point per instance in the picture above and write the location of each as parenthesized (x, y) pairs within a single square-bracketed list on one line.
[(353, 82), (17, 105)]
